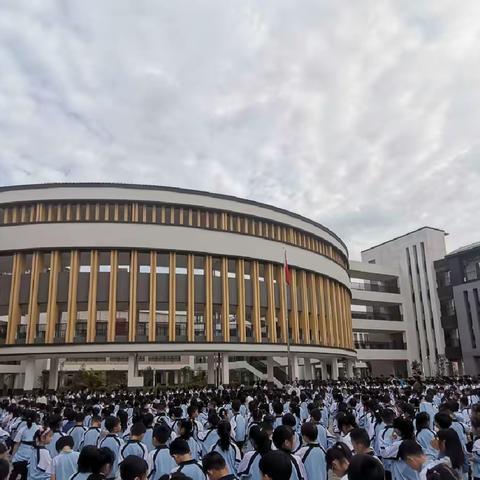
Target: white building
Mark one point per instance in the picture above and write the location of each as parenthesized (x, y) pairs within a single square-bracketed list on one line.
[(379, 326), (413, 255)]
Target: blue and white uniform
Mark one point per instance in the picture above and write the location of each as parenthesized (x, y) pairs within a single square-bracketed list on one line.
[(313, 459), (91, 436), (192, 469), (232, 456), (114, 443), (64, 465), (77, 432), (133, 447), (24, 436), (160, 462), (39, 464)]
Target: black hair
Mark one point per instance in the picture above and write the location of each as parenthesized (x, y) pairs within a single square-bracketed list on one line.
[(408, 448), (179, 446), (54, 422), (365, 467), (65, 441), (422, 421), (289, 419), (162, 433), (276, 464), (186, 428), (79, 417), (213, 461), (224, 429), (453, 447), (260, 440), (138, 429), (443, 420), (104, 457), (441, 472), (4, 469), (347, 419), (339, 452), (310, 431), (87, 458), (316, 414), (405, 427), (133, 467), (360, 435), (111, 422), (236, 404), (280, 434)]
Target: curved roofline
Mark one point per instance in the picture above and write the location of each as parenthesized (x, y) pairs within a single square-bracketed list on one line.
[(140, 186)]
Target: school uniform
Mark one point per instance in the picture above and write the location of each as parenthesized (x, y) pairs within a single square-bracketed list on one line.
[(114, 443), (239, 428), (133, 447), (232, 456), (424, 438), (208, 438), (148, 439), (91, 436), (51, 446), (476, 460), (77, 432), (430, 409), (160, 462), (64, 465), (298, 470), (313, 459), (192, 469), (39, 464), (249, 466)]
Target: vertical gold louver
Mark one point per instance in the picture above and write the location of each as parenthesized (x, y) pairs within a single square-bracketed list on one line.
[(92, 297), (33, 312), (208, 298), (190, 297), (52, 305), (240, 277), (14, 312), (132, 303), (172, 306), (272, 331), (225, 299), (257, 333), (72, 295), (152, 309), (112, 296)]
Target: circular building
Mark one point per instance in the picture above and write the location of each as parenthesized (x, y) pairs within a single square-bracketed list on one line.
[(147, 275)]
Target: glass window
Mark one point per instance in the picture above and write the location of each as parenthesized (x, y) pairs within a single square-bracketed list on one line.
[(81, 327), (61, 327)]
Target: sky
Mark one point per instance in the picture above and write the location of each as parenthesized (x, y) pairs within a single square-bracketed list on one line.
[(362, 115)]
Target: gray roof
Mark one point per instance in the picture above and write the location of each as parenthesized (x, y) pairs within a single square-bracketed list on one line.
[(465, 248)]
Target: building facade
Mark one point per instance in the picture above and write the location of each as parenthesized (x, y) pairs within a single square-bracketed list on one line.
[(413, 255), (106, 270), (458, 280), (379, 326)]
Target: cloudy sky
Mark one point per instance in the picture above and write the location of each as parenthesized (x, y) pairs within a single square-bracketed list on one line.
[(363, 115)]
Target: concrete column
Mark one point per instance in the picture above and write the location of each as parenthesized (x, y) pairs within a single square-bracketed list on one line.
[(350, 364), (53, 374), (307, 369), (295, 367), (270, 375), (29, 377), (210, 370), (225, 369), (176, 375), (323, 370), (334, 369), (133, 379)]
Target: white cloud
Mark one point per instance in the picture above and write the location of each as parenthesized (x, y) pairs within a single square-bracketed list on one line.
[(361, 115)]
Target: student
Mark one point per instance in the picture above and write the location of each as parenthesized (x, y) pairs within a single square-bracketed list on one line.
[(40, 459), (316, 418), (249, 466), (55, 425), (312, 454), (290, 420), (425, 435), (133, 468), (361, 442), (451, 451), (64, 465), (208, 438), (23, 446), (346, 423), (227, 448), (238, 424), (441, 472), (192, 412), (77, 432), (365, 467), (113, 442), (283, 439), (147, 420), (427, 406), (276, 465), (4, 469), (180, 452), (412, 454), (215, 467), (135, 446), (338, 459), (86, 459), (185, 428), (160, 461), (92, 435)]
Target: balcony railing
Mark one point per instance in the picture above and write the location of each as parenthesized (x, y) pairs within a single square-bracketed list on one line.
[(373, 287), (380, 346), (391, 317)]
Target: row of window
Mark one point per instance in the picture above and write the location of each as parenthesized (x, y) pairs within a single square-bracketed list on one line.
[(203, 289), (168, 215)]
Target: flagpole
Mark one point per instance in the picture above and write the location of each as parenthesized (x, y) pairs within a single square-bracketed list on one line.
[(286, 316)]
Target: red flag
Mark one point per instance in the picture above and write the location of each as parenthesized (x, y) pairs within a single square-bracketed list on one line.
[(288, 273)]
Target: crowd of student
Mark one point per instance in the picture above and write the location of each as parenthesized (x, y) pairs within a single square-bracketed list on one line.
[(355, 430)]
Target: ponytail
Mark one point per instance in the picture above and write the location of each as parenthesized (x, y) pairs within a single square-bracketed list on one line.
[(223, 429)]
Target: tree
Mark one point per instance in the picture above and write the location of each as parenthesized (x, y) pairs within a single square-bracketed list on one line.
[(89, 379), (416, 367), (443, 365)]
